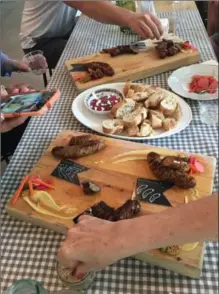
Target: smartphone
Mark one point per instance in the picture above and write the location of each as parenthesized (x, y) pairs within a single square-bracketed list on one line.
[(31, 104)]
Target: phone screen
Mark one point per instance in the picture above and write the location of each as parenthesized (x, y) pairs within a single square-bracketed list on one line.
[(26, 102)]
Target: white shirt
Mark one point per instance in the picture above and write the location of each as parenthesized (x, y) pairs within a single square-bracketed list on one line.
[(48, 19)]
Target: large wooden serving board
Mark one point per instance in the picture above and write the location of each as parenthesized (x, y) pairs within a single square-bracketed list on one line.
[(117, 182), (132, 67)]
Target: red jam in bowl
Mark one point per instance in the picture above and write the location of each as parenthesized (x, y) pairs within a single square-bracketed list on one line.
[(104, 103), (103, 100)]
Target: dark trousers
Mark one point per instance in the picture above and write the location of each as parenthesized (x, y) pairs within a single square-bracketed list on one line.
[(10, 140), (203, 10)]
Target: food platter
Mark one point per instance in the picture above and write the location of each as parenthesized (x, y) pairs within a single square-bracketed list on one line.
[(85, 174), (180, 79), (94, 121)]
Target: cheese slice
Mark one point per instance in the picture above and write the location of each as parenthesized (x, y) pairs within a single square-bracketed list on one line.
[(189, 247)]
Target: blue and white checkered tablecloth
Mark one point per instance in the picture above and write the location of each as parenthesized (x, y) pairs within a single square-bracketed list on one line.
[(28, 251)]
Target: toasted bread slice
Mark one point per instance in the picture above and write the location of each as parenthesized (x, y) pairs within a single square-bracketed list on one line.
[(133, 131), (169, 123), (156, 113), (122, 108), (112, 126), (140, 96), (126, 88), (177, 113), (145, 130), (156, 122), (135, 118), (155, 99), (168, 105), (130, 94), (147, 121)]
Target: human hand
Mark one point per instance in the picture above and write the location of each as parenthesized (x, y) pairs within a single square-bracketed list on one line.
[(15, 89), (20, 88), (16, 65), (8, 124), (93, 244), (147, 25), (11, 123)]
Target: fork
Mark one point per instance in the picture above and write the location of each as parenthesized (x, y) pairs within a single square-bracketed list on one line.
[(138, 46)]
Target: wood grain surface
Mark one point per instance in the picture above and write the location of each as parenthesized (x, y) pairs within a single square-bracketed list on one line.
[(118, 183)]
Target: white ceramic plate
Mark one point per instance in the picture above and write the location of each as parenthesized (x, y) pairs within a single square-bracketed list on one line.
[(94, 121), (180, 79)]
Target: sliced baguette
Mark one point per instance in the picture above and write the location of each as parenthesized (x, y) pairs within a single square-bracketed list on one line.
[(177, 113), (145, 130), (112, 126), (122, 108), (169, 123), (156, 113), (156, 122), (168, 105), (154, 100), (130, 94), (133, 131), (135, 118)]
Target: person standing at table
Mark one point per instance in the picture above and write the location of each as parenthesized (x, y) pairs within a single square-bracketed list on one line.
[(213, 25), (47, 25)]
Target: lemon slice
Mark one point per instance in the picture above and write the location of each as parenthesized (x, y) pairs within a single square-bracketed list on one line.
[(189, 246)]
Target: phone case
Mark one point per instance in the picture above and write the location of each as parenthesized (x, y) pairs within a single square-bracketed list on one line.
[(39, 112)]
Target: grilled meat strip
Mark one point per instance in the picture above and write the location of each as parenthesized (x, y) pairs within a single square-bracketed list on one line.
[(103, 211), (80, 140), (98, 70), (119, 50), (176, 163), (167, 48), (129, 209), (88, 148), (179, 176)]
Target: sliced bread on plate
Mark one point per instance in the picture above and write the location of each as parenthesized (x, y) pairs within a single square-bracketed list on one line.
[(135, 118), (168, 105), (112, 126), (154, 100), (122, 108), (145, 130), (169, 123)]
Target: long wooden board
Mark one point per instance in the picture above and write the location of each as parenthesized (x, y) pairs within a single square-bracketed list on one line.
[(132, 67), (117, 182)]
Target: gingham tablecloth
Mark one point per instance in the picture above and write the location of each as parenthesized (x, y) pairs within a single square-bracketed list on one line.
[(29, 251)]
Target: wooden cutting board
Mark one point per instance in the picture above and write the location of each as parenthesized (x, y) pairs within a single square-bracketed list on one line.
[(132, 67), (118, 183)]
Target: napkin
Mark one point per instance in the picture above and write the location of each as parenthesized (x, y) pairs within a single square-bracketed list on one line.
[(210, 62)]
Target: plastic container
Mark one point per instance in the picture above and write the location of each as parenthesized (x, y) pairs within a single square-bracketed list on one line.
[(26, 287), (36, 61), (209, 112), (69, 281), (144, 6)]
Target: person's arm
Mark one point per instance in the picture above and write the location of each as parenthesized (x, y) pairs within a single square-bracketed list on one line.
[(94, 244), (3, 58), (146, 25), (8, 65)]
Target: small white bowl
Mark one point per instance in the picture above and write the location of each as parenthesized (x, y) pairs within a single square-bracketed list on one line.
[(96, 97)]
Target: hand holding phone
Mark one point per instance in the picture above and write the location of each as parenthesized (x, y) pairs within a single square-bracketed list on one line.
[(30, 104)]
